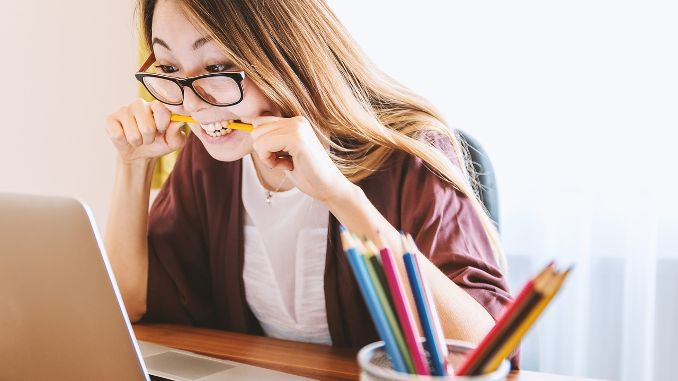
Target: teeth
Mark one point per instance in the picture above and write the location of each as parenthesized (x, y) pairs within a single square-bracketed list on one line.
[(216, 129)]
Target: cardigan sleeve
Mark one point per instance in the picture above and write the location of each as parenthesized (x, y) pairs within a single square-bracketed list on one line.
[(448, 230), (178, 287)]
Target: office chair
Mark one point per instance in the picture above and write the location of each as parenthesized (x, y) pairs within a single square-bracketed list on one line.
[(487, 189)]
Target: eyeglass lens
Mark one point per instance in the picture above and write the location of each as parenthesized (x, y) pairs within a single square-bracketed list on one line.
[(219, 90)]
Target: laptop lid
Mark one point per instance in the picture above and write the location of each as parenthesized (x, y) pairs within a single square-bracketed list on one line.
[(60, 309)]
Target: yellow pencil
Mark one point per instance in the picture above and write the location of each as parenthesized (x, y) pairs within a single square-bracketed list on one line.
[(550, 290), (231, 124)]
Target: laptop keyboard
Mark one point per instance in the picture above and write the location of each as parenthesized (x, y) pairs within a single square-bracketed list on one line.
[(158, 378)]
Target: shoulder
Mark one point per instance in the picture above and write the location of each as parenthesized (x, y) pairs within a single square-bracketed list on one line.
[(406, 187), (401, 166)]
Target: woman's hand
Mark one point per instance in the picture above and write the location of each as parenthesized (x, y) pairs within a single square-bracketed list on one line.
[(310, 167), (142, 131)]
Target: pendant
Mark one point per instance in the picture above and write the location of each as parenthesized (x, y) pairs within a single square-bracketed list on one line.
[(269, 194)]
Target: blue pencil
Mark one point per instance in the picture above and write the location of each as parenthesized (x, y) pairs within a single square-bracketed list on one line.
[(438, 358), (373, 305), (437, 326)]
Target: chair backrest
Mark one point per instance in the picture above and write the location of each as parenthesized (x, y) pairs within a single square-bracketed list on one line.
[(487, 190)]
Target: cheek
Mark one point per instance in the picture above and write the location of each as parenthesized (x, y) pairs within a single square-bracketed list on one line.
[(254, 102), (176, 109)]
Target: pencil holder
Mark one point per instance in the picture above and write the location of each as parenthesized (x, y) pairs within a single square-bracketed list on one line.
[(375, 365)]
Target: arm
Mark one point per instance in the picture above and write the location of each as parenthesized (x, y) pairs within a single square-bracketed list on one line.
[(462, 317), (141, 132), (458, 264), (126, 233)]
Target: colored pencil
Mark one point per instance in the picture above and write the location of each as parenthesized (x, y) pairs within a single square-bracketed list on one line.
[(384, 292), (232, 124), (377, 265), (440, 335), (472, 363), (372, 301), (536, 296), (426, 312), (404, 312), (381, 291), (549, 290)]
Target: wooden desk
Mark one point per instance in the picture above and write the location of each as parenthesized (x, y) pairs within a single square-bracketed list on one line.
[(309, 360)]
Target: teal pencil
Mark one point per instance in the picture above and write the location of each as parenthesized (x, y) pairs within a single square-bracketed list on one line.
[(380, 289), (372, 301)]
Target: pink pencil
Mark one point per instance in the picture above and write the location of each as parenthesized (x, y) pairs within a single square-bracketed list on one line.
[(404, 312)]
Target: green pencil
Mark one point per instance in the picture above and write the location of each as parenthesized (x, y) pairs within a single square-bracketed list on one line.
[(386, 305)]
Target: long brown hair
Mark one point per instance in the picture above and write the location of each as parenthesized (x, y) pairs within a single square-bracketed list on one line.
[(304, 60)]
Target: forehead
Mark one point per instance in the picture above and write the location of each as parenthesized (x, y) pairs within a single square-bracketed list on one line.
[(171, 25)]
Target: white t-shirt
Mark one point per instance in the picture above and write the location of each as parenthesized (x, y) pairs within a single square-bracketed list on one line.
[(285, 248)]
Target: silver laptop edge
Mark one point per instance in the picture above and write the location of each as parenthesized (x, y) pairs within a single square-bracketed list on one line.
[(114, 283)]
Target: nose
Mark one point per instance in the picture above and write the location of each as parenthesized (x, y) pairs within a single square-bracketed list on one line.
[(192, 102)]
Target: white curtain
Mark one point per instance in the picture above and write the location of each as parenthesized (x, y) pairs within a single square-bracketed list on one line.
[(577, 104)]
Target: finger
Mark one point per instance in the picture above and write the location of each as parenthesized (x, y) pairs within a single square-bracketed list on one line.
[(274, 151), (175, 136), (116, 133), (145, 122), (161, 115), (129, 126), (262, 120), (272, 143), (267, 157), (275, 160), (266, 124), (283, 162)]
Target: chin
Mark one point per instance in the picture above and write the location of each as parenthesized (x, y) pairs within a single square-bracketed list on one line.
[(229, 147)]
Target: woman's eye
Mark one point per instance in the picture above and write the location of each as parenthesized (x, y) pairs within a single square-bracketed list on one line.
[(217, 68), (167, 69)]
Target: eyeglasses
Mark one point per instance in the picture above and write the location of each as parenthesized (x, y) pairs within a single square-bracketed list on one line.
[(217, 89)]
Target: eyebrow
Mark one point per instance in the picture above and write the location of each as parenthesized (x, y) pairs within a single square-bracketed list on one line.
[(196, 45), (200, 42), (160, 42)]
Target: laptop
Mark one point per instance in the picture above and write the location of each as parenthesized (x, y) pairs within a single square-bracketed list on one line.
[(61, 313)]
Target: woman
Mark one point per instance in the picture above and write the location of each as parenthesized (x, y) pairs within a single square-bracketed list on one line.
[(243, 235)]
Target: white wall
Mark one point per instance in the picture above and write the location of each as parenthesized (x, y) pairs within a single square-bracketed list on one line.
[(65, 65), (568, 87)]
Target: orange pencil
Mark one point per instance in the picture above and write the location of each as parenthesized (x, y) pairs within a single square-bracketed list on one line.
[(521, 306), (232, 124)]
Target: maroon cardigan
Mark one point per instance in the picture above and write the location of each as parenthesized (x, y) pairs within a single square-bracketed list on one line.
[(195, 242)]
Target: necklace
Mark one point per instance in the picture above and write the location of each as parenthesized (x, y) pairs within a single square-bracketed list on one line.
[(269, 194)]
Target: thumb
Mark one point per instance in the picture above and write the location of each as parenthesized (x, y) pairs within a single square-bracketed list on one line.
[(174, 136)]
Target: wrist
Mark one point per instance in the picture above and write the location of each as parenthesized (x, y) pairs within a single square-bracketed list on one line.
[(135, 173), (138, 165), (343, 196)]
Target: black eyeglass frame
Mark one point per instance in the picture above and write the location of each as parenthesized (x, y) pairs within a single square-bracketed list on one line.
[(237, 76)]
